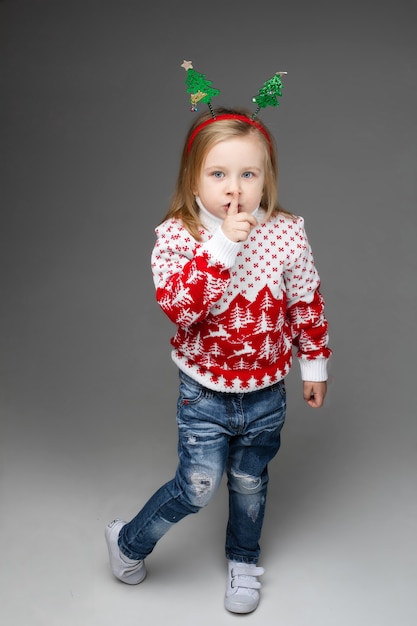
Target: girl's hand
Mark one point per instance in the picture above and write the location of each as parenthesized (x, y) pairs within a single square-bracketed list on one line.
[(237, 226), (314, 393)]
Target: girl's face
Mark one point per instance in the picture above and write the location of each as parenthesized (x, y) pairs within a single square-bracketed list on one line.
[(236, 164)]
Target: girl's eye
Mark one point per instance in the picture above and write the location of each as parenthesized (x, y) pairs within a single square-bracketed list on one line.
[(217, 174), (247, 174)]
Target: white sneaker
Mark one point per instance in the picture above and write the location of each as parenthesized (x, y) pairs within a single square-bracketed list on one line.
[(242, 595), (125, 569)]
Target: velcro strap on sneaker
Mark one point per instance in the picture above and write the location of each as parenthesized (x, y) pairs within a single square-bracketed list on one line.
[(245, 582), (244, 575)]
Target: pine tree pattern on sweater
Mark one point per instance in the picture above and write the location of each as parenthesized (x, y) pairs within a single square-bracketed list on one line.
[(240, 308)]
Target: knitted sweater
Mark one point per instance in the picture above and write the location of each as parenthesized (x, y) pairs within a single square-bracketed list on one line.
[(240, 307)]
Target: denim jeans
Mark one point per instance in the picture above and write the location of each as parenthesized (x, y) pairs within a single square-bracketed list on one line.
[(236, 433)]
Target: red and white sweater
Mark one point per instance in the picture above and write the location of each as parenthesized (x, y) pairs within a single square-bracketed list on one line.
[(240, 307)]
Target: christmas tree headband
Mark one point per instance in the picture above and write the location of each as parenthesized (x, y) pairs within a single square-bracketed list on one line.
[(201, 91)]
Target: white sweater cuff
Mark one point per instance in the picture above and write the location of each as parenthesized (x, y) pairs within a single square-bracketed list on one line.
[(314, 370), (221, 249)]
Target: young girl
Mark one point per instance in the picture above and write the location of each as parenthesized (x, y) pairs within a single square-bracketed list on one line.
[(235, 273)]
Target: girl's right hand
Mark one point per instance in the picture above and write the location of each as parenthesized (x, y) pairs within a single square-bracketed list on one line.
[(237, 226)]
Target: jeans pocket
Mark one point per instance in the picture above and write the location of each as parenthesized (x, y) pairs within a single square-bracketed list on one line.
[(280, 388), (190, 391)]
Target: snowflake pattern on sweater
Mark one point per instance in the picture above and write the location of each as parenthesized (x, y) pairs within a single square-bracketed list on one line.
[(240, 307)]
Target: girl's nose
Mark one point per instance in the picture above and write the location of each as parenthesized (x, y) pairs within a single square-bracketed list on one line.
[(234, 185)]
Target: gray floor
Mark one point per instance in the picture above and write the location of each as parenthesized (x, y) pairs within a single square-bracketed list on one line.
[(88, 392)]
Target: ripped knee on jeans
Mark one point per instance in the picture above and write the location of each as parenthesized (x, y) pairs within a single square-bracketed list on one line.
[(248, 486), (246, 482), (200, 488)]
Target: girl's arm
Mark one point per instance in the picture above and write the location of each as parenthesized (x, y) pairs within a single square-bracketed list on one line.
[(305, 311), (190, 277)]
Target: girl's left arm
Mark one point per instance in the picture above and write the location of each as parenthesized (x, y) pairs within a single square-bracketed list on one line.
[(305, 310)]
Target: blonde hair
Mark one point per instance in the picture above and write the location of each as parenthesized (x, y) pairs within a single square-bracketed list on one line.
[(183, 204)]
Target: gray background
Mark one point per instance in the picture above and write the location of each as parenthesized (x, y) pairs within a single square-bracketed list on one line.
[(94, 112)]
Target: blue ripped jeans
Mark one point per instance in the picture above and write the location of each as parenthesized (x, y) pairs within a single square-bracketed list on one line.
[(237, 433)]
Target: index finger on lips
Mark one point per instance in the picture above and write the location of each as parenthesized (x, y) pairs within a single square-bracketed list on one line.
[(234, 204)]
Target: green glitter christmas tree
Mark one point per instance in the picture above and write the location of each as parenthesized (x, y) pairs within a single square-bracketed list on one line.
[(269, 93), (198, 86)]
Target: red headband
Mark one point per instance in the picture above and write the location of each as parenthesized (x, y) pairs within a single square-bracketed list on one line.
[(228, 116)]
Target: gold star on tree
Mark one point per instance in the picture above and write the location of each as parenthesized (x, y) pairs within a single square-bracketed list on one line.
[(187, 65)]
